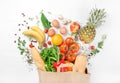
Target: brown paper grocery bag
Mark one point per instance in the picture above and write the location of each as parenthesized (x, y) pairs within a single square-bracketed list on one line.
[(63, 77)]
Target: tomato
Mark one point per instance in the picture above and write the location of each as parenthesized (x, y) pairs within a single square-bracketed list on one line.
[(46, 30), (63, 48), (71, 57), (31, 45), (69, 40), (49, 42), (44, 45), (74, 47), (74, 27), (63, 56), (92, 47)]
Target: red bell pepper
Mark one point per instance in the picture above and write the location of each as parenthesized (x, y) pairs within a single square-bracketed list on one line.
[(57, 64)]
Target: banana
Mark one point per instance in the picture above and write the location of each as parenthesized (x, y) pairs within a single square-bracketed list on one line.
[(37, 29), (34, 34)]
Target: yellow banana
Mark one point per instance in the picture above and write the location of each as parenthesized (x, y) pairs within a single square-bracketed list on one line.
[(37, 29), (34, 34)]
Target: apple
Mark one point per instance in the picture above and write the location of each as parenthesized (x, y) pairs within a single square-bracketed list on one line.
[(74, 27)]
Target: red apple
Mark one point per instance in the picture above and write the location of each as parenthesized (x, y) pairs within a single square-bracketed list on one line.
[(74, 27)]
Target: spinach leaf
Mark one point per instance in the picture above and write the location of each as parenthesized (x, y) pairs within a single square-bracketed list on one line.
[(46, 24)]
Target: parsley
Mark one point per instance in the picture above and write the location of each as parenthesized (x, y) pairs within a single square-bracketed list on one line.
[(95, 51), (100, 44), (21, 46)]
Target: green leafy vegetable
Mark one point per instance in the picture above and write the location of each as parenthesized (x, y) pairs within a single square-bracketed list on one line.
[(21, 46), (95, 51), (45, 22), (50, 55), (100, 44)]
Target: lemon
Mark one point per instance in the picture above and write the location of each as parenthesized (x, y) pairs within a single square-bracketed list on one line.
[(57, 39)]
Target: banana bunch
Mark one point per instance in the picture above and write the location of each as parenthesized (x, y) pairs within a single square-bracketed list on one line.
[(36, 33)]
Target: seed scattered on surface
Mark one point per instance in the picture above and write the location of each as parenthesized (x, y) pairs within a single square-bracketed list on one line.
[(19, 29), (22, 24), (15, 34), (24, 21), (49, 13), (28, 27), (34, 41), (68, 21), (15, 41), (64, 22), (60, 17), (23, 14), (18, 24)]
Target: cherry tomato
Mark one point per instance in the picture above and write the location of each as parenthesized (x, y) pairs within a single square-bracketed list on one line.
[(49, 42), (92, 47), (71, 57), (74, 47), (63, 48), (45, 45), (74, 27), (69, 40), (31, 45), (46, 30)]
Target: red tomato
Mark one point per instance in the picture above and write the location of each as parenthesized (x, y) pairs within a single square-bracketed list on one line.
[(63, 48), (74, 27), (49, 42), (92, 47), (74, 47), (44, 45), (69, 40), (46, 30), (31, 45), (71, 57)]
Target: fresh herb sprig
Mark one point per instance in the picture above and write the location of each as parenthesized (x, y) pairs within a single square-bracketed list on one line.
[(99, 46), (21, 45)]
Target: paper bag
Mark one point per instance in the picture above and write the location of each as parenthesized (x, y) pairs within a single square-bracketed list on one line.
[(63, 77)]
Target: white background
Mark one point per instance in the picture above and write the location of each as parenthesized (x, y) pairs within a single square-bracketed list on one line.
[(105, 66)]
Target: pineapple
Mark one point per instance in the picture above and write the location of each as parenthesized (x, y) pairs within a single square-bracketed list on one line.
[(88, 32)]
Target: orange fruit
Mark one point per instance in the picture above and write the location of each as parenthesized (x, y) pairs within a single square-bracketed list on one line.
[(57, 39)]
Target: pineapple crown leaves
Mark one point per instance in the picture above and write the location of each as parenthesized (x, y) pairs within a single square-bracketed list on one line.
[(97, 17)]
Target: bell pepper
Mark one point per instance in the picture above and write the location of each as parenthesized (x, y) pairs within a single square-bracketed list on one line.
[(57, 64)]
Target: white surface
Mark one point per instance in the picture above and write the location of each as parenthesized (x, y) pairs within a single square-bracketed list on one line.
[(105, 66)]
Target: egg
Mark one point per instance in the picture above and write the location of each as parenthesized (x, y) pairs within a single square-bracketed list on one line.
[(63, 30)]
